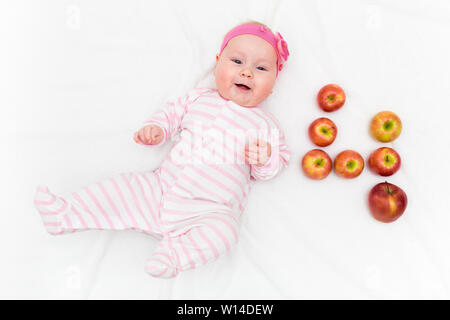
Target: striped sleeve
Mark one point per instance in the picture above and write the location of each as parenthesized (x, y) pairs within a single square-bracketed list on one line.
[(169, 117)]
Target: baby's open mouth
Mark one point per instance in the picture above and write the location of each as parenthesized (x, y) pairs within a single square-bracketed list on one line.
[(242, 86)]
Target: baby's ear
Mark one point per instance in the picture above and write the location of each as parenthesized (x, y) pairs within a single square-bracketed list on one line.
[(215, 67)]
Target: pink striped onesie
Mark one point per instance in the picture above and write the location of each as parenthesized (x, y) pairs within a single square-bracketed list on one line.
[(191, 203)]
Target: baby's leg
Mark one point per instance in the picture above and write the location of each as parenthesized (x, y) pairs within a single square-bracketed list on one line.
[(211, 237), (127, 201)]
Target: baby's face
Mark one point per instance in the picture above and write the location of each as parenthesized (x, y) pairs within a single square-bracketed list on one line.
[(249, 61)]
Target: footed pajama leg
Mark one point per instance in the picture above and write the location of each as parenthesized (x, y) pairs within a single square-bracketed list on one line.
[(209, 238), (126, 201)]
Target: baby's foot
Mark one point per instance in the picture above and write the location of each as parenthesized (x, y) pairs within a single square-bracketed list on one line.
[(51, 209), (161, 266)]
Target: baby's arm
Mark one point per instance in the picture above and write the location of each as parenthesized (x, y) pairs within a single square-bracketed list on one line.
[(165, 123)]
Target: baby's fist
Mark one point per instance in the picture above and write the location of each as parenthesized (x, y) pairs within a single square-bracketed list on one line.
[(258, 153), (150, 134)]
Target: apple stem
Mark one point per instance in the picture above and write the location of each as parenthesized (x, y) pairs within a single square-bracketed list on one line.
[(387, 186)]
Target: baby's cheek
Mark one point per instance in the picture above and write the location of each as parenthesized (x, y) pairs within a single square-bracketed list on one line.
[(221, 80), (263, 92)]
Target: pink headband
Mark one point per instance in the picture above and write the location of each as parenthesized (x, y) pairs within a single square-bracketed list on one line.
[(276, 40)]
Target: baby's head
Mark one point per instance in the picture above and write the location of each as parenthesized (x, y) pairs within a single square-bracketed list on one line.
[(248, 63)]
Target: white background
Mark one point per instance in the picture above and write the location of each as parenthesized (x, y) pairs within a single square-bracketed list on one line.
[(77, 78)]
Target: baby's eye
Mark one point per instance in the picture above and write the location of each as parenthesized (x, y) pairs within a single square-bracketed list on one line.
[(236, 61), (261, 68)]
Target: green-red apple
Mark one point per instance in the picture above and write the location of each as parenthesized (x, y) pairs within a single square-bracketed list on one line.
[(331, 97), (316, 164), (348, 164), (385, 126), (322, 132), (387, 202), (384, 161)]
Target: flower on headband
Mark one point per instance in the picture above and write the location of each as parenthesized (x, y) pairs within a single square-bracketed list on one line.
[(282, 47), (263, 28)]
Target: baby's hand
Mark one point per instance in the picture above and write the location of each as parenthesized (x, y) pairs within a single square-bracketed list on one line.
[(258, 153), (150, 134)]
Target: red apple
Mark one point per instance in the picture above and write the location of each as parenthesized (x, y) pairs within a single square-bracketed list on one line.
[(348, 164), (331, 97), (322, 132), (316, 164), (387, 202), (385, 126), (384, 161)]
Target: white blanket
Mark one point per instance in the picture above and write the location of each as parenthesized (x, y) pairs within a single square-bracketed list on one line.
[(79, 77)]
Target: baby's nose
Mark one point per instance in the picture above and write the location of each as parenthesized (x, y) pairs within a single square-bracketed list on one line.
[(246, 73)]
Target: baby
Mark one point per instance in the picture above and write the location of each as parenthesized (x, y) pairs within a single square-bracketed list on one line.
[(192, 203)]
